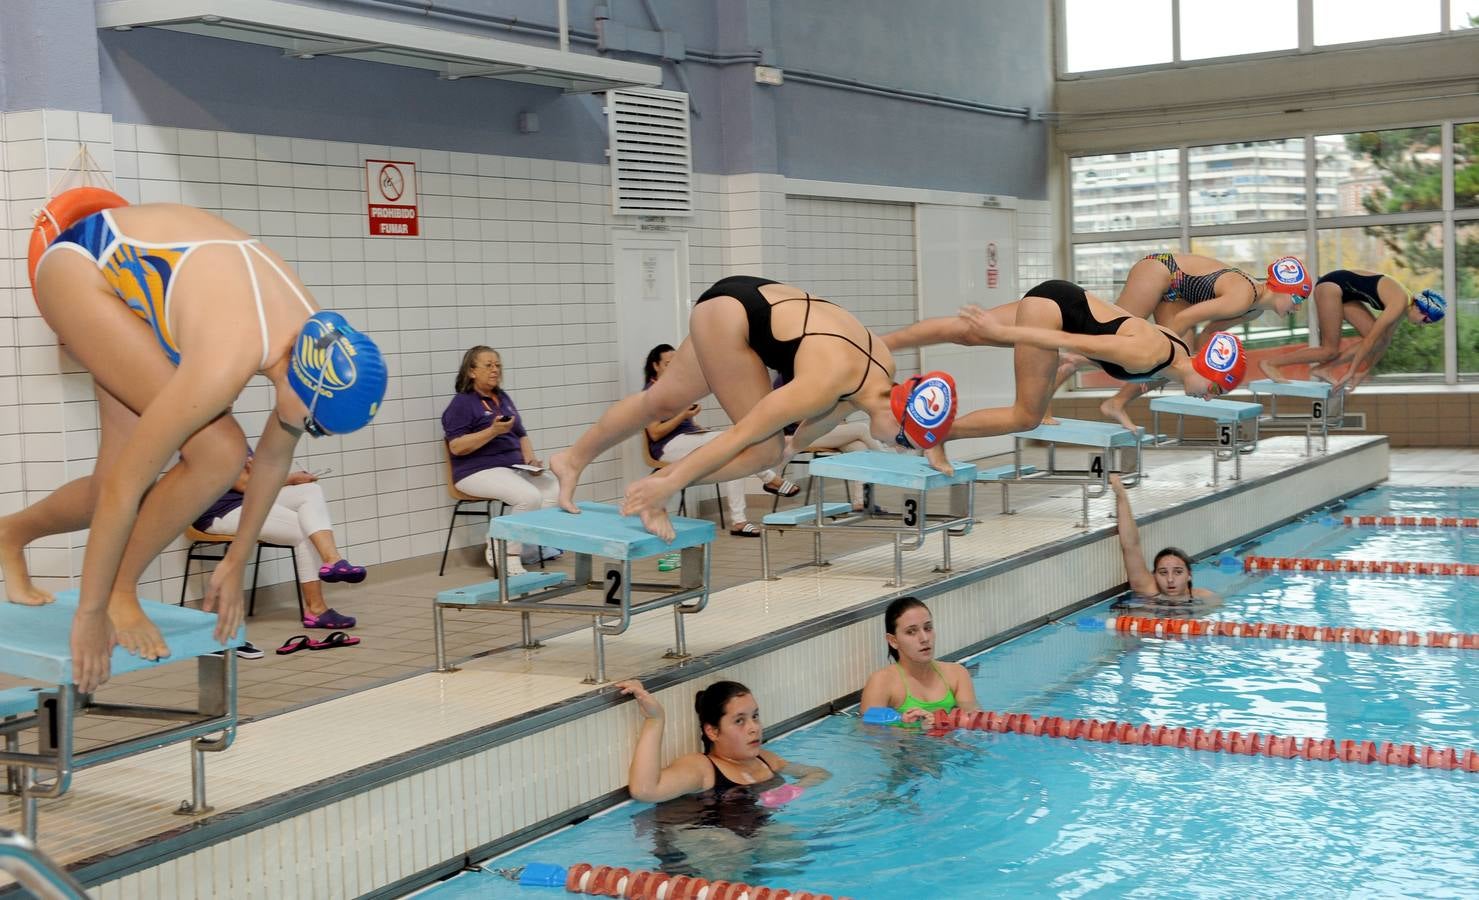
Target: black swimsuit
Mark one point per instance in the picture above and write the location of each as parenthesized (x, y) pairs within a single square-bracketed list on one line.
[(1356, 288), (1073, 305), (775, 354)]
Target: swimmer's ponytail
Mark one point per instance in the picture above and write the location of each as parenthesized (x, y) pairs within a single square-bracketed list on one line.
[(709, 704)]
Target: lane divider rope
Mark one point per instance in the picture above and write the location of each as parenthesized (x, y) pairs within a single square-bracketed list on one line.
[(1358, 566), (1212, 740), (1415, 521), (615, 881), (1170, 627)]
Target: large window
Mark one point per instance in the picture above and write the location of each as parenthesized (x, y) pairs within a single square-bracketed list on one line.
[(1379, 204), (1122, 34)]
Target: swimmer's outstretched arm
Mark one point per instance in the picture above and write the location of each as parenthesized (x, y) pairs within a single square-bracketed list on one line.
[(1233, 305), (808, 431), (1371, 348), (200, 391), (1142, 582), (647, 780), (941, 330), (803, 775), (1118, 348)]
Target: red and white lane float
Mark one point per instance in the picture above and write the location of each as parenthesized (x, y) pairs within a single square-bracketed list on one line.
[(1213, 740), (1166, 627), (1356, 566), (640, 884), (1415, 521)]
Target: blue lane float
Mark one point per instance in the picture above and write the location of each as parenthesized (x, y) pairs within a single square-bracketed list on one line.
[(600, 531), (910, 474), (35, 644)]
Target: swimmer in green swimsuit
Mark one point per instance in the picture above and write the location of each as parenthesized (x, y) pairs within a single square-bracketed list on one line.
[(1167, 587), (916, 684)]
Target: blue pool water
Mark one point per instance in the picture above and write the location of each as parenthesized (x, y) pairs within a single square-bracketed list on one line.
[(978, 814)]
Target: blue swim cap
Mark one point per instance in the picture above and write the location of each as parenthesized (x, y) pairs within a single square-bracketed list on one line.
[(1431, 304), (338, 372)]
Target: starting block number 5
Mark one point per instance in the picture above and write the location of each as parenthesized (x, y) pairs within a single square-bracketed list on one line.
[(1225, 434)]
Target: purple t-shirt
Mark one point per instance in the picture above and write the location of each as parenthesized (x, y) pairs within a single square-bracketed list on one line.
[(656, 447), (470, 412)]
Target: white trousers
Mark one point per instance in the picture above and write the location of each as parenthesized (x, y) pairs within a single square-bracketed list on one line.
[(850, 437), (733, 491), (522, 491), (299, 511)]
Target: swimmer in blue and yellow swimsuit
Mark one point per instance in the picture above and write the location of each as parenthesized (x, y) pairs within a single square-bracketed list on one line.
[(915, 674), (222, 309), (1374, 304)]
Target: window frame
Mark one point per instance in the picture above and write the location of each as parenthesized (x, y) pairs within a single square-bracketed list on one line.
[(1180, 236), (1306, 42)]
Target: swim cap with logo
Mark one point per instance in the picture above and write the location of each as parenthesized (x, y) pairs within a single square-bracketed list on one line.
[(1287, 275), (338, 373), (925, 408), (1222, 361)]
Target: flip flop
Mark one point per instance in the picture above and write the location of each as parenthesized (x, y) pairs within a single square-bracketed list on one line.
[(749, 529), (332, 640), (787, 489), (294, 644)]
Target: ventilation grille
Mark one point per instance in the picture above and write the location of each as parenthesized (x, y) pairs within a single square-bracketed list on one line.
[(651, 159)]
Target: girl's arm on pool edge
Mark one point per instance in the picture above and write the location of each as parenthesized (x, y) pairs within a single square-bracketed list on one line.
[(803, 775)]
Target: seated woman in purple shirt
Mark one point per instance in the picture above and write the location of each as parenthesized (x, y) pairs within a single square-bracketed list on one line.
[(486, 437), (299, 518)]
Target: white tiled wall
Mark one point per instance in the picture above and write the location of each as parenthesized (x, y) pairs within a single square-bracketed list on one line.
[(514, 253)]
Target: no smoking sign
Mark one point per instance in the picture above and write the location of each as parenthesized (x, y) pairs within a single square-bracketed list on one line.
[(391, 189)]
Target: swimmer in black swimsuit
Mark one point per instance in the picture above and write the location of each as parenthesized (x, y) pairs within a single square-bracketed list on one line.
[(1186, 292), (1374, 304), (733, 767), (831, 366), (1167, 584), (1060, 315)]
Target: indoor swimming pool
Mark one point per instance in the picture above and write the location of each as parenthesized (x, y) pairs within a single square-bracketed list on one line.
[(978, 813)]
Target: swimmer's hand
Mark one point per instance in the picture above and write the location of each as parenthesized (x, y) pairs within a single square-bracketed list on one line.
[(935, 456), (922, 716), (223, 597), (1116, 483), (780, 796), (984, 327), (651, 709), (92, 649)]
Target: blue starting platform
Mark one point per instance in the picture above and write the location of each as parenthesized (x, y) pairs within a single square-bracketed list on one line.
[(600, 531), (1325, 404), (913, 476), (35, 644), (1106, 441), (1236, 426)]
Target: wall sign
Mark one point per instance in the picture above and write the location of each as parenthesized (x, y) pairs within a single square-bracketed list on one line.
[(391, 189)]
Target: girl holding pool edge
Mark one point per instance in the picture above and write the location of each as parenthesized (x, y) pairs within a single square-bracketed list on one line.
[(1167, 582)]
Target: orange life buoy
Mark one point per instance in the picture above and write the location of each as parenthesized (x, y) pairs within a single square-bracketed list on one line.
[(65, 210)]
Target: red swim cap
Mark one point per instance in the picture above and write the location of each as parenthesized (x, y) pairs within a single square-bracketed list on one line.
[(925, 408), (1222, 361), (1287, 275)]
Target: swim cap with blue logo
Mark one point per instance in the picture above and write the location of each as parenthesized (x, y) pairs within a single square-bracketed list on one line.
[(1431, 304), (925, 408), (1287, 275), (1222, 361), (338, 373)]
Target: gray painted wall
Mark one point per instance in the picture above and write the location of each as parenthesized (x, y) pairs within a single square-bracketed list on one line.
[(47, 53), (993, 51)]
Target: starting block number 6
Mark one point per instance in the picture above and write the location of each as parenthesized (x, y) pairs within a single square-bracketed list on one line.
[(1317, 410)]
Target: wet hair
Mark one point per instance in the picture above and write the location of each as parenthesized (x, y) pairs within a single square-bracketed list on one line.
[(710, 702), (470, 359), (654, 356), (891, 615), (1179, 554)]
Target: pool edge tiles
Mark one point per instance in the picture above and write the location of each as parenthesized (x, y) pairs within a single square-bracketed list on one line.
[(385, 829)]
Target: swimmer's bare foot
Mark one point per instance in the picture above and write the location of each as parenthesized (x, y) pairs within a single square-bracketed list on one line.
[(135, 633), (18, 586), (1271, 371), (656, 522), (1049, 419), (1114, 409), (568, 475), (1321, 373), (937, 459)]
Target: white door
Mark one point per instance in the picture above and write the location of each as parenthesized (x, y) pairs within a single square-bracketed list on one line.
[(652, 299), (968, 255)]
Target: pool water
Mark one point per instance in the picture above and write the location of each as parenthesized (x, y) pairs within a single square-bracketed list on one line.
[(979, 813)]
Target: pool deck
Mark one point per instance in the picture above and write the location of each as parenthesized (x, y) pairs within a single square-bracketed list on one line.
[(373, 791)]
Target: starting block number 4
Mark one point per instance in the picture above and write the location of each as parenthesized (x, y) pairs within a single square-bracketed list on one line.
[(1096, 464)]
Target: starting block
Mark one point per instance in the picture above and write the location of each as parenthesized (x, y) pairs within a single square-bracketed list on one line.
[(1106, 437), (1325, 404), (35, 644), (1230, 416), (909, 473), (599, 531)]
